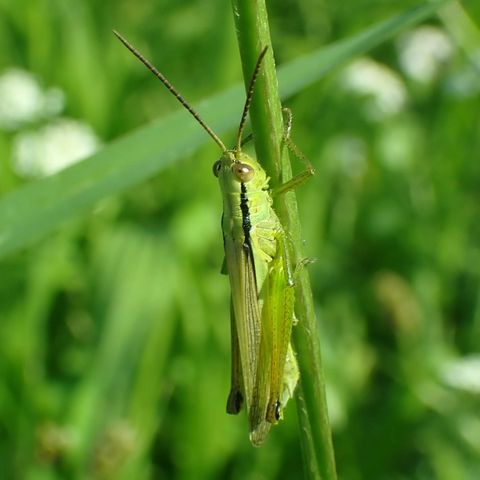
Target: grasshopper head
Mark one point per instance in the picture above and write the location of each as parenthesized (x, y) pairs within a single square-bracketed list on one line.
[(235, 168)]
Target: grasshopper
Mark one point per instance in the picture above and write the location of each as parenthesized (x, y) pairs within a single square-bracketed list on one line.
[(264, 370)]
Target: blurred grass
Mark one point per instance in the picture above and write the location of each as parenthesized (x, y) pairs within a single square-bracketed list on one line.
[(115, 343)]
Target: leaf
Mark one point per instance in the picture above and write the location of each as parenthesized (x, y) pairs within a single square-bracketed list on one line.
[(31, 212)]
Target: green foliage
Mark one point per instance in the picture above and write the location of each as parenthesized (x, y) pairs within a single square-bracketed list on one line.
[(114, 321)]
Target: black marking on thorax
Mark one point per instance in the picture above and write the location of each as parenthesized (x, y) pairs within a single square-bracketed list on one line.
[(246, 225)]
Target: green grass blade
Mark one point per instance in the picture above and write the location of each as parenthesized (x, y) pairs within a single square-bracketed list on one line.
[(34, 210)]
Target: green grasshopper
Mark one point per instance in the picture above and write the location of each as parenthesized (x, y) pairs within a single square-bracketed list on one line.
[(264, 370)]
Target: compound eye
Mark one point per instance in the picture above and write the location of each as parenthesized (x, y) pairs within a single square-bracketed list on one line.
[(243, 172), (217, 166)]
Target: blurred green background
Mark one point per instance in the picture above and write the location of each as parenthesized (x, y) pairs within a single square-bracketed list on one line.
[(114, 330)]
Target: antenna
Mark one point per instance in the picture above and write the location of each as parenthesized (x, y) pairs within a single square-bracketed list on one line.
[(248, 101), (172, 90)]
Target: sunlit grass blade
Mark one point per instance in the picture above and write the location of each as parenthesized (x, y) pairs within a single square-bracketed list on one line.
[(267, 123)]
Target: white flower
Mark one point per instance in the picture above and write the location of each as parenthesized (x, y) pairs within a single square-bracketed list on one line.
[(379, 83), (423, 51), (348, 153), (22, 100), (463, 374), (398, 144), (52, 148)]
